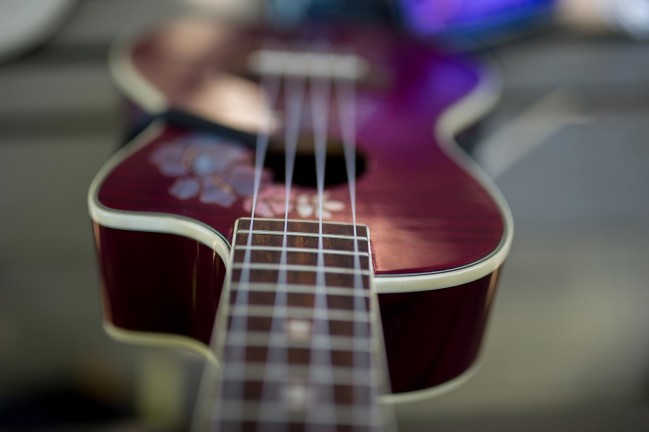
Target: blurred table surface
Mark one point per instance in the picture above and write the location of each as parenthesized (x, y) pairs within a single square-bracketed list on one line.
[(567, 346)]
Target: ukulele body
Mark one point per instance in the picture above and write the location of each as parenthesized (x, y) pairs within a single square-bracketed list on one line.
[(164, 207)]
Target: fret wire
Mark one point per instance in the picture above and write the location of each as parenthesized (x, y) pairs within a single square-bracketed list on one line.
[(262, 339), (300, 221), (299, 312), (298, 249), (299, 234), (302, 289), (298, 268), (263, 137), (269, 276), (346, 97), (341, 374), (291, 137), (244, 223), (339, 328), (300, 300), (296, 258), (306, 242), (320, 98), (326, 414), (342, 393)]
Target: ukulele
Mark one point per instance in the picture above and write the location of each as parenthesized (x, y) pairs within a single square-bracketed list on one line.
[(298, 212)]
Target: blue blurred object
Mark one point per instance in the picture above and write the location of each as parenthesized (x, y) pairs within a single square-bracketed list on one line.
[(470, 20), (458, 21), (295, 11), (471, 23)]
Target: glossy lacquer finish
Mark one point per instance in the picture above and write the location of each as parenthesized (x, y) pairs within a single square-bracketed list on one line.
[(434, 336), (426, 213), (159, 283)]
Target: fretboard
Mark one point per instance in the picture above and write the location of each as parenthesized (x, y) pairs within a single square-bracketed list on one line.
[(302, 351)]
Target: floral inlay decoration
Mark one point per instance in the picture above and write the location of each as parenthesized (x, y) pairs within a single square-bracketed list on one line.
[(220, 172)]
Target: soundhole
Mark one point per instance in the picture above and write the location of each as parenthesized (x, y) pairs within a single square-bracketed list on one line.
[(304, 172)]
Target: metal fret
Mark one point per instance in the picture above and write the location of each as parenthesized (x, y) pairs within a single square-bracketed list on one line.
[(324, 415), (302, 234), (303, 268), (299, 356), (307, 226), (299, 312), (335, 327), (326, 342), (313, 242), (339, 374), (302, 289), (298, 249), (255, 276)]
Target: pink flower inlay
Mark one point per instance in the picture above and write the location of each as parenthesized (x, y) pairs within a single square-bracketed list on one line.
[(271, 202)]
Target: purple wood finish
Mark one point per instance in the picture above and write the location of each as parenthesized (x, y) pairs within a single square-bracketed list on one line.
[(444, 215), (434, 219), (425, 213)]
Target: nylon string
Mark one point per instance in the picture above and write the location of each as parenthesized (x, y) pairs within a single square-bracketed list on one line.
[(278, 341), (270, 85), (346, 98), (320, 366)]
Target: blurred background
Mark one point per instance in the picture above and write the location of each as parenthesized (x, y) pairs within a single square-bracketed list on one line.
[(567, 346)]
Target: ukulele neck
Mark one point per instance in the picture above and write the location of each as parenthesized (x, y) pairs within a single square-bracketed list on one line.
[(302, 349)]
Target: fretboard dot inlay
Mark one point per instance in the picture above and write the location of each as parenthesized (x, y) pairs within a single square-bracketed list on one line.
[(297, 396), (298, 329)]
